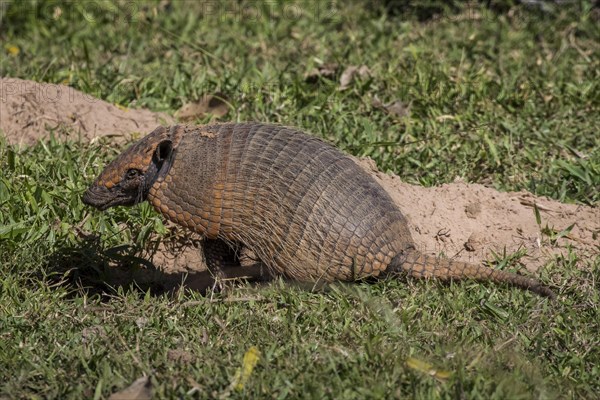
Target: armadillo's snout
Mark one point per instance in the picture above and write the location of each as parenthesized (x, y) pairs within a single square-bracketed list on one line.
[(98, 196)]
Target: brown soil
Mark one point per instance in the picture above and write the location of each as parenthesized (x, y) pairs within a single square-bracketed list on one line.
[(462, 221)]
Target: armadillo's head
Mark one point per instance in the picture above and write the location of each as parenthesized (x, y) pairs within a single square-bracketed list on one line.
[(127, 180)]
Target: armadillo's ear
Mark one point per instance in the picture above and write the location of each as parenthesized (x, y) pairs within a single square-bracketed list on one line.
[(163, 150), (161, 160)]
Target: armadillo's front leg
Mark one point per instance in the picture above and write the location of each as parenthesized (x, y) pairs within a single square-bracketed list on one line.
[(224, 262)]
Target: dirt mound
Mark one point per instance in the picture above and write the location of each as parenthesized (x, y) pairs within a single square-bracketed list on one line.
[(29, 110), (470, 221), (462, 221)]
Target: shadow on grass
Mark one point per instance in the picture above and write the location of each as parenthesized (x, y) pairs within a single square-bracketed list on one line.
[(96, 270)]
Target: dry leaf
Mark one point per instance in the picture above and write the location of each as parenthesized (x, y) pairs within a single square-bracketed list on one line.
[(215, 105), (243, 374), (396, 108), (349, 74), (442, 118), (364, 70), (12, 50), (327, 70), (140, 389), (426, 368)]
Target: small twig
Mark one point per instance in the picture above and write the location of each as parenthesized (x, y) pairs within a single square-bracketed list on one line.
[(530, 203), (503, 345)]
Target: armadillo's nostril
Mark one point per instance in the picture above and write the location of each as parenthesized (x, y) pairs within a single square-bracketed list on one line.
[(95, 196)]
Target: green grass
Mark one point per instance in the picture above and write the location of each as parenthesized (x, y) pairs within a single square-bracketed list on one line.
[(508, 98)]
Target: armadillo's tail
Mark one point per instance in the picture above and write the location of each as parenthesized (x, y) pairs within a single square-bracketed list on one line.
[(422, 266)]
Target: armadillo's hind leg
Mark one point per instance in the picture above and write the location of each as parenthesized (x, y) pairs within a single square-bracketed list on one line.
[(224, 264), (422, 266)]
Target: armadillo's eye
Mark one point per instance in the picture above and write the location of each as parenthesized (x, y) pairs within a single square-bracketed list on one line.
[(133, 173)]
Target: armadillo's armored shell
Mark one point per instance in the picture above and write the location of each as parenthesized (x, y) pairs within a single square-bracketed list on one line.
[(307, 210)]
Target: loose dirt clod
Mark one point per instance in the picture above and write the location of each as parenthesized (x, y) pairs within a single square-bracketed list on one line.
[(473, 210)]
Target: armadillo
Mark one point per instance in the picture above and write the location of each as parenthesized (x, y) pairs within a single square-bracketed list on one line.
[(304, 208)]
